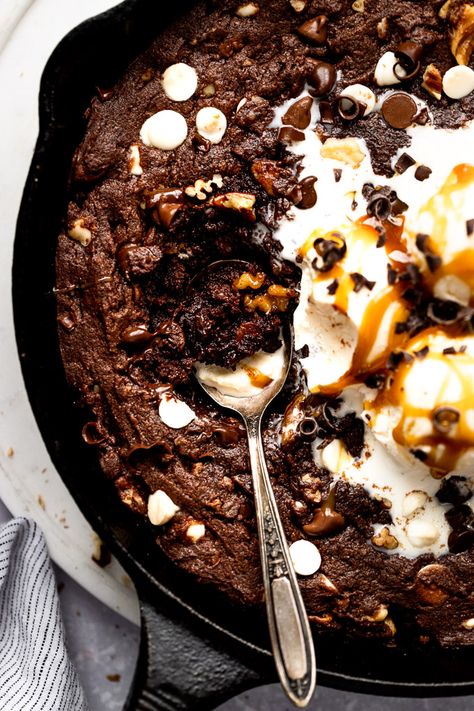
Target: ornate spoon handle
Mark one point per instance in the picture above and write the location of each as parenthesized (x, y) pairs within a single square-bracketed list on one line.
[(290, 633)]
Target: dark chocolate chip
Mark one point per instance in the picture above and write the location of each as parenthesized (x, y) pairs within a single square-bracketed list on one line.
[(298, 114), (289, 134), (315, 29), (419, 454), (397, 357), (421, 353), (403, 163), (360, 282), (200, 143), (321, 77), (308, 193), (399, 110), (138, 260), (332, 287), (375, 381), (136, 336), (454, 490), (422, 172), (449, 351), (338, 175), (329, 251), (470, 227), (382, 238), (326, 114), (433, 261)]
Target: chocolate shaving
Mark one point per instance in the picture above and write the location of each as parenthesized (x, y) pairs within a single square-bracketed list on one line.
[(333, 286), (397, 357), (470, 227), (421, 353), (403, 163), (360, 282)]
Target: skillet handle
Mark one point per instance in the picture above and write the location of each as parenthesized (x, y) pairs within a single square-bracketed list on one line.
[(179, 669)]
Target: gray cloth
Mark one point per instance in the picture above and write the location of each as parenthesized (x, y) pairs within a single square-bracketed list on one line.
[(35, 670)]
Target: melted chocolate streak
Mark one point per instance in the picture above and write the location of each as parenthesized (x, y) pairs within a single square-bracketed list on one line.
[(123, 343)]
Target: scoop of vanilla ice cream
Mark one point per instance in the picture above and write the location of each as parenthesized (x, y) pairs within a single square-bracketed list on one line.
[(249, 377)]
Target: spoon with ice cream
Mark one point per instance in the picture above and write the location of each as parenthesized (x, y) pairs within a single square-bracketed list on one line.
[(248, 390)]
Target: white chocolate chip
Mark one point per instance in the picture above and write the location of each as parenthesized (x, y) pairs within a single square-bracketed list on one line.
[(458, 82), (179, 82), (452, 288), (414, 501), (384, 74), (305, 556), (211, 124), (134, 163), (422, 533), (196, 531), (362, 94), (247, 10), (175, 413), (161, 508), (80, 233), (166, 130), (468, 624)]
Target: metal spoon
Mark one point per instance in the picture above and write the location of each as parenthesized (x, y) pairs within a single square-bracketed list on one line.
[(290, 633)]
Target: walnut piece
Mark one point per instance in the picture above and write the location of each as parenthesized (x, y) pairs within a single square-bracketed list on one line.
[(240, 202), (432, 81), (462, 34), (384, 539), (298, 5), (345, 150), (78, 232)]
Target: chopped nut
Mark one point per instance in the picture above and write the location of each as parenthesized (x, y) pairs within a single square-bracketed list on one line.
[(324, 619), (274, 179), (345, 150), (201, 188), (358, 5), (327, 584), (384, 539), (248, 10), (430, 584), (240, 202), (294, 413), (468, 624), (389, 623), (380, 614), (209, 90), (444, 10), (10, 452), (298, 5), (80, 233), (462, 34), (432, 81), (134, 166), (276, 299), (249, 281), (383, 28)]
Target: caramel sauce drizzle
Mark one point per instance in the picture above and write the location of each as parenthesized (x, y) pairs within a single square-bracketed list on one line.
[(443, 448), (257, 378)]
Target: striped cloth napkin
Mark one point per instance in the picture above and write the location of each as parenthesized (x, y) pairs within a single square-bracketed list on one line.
[(36, 673)]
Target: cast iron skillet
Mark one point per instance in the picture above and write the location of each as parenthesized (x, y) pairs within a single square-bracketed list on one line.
[(197, 648)]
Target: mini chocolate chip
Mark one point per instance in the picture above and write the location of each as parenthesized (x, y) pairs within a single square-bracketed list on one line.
[(315, 29), (321, 77), (409, 53), (445, 418), (433, 261), (401, 327), (449, 351), (454, 490), (419, 454), (338, 175), (308, 193), (332, 287), (397, 357), (375, 381), (360, 281), (403, 163), (289, 134), (422, 172), (200, 143), (398, 206), (470, 227), (421, 240), (399, 110), (382, 238), (421, 353), (391, 275), (462, 349), (298, 114), (326, 114)]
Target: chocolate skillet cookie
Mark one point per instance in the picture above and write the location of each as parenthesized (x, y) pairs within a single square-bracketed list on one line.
[(330, 145)]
